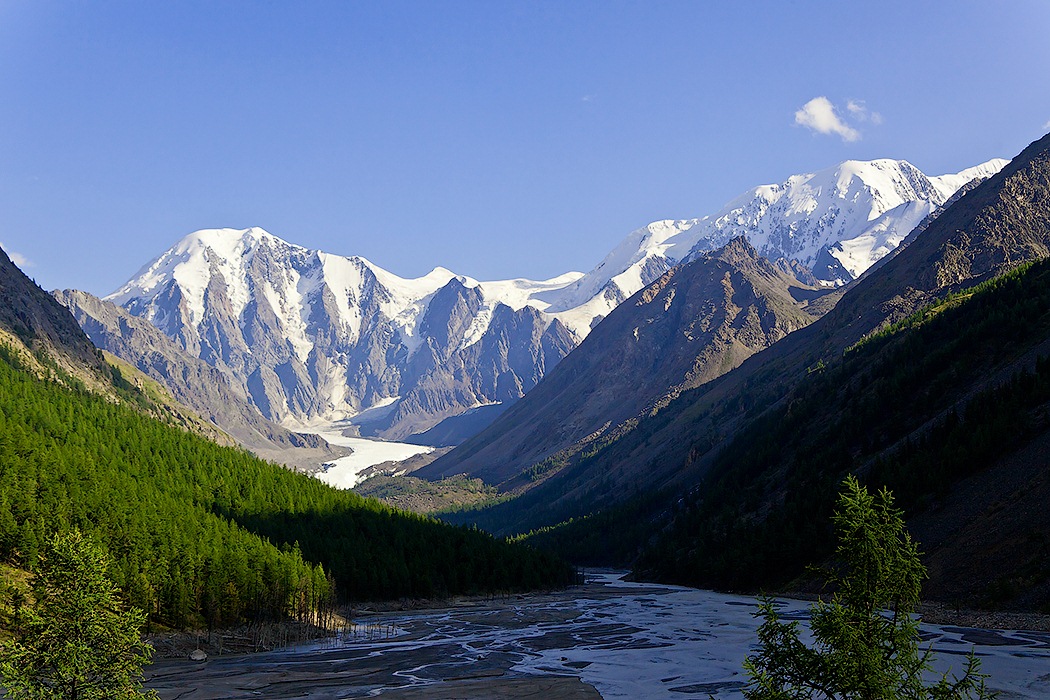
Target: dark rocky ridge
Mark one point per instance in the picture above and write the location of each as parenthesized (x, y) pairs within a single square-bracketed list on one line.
[(42, 324)]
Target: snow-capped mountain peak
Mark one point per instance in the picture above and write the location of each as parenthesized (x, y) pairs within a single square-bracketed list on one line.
[(838, 221), (308, 334), (863, 207)]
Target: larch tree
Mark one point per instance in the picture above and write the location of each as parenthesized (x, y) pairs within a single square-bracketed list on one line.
[(866, 641), (75, 641)]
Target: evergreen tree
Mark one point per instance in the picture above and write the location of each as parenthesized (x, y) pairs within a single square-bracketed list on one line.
[(75, 641), (866, 642), (208, 535)]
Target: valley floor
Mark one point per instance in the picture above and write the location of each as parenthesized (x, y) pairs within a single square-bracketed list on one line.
[(607, 639)]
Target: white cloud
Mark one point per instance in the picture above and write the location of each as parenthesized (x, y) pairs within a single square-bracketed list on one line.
[(819, 115), (588, 98), (17, 258), (1047, 125)]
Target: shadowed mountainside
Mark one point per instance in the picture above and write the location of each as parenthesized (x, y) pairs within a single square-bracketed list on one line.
[(738, 470)]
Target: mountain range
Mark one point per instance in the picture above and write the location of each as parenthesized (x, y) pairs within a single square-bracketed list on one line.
[(307, 336)]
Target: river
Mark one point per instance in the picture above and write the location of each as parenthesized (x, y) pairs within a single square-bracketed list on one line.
[(638, 641)]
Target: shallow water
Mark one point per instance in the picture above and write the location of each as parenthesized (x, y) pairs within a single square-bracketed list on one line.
[(627, 640)]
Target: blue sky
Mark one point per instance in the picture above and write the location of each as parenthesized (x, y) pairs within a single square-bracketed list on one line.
[(498, 139)]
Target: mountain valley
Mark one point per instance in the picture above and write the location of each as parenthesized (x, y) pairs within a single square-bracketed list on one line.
[(682, 386), (720, 487)]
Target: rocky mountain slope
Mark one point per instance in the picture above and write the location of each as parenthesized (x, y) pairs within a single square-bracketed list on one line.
[(193, 382), (42, 336), (30, 317), (694, 323), (729, 475), (308, 336)]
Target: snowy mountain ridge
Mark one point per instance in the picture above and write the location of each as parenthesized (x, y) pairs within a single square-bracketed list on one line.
[(195, 261), (310, 335), (838, 222), (847, 217)]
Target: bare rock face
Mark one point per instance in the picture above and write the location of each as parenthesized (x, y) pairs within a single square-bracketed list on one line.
[(192, 381), (513, 354)]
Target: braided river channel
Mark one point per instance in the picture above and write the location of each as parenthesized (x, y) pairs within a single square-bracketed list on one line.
[(607, 638)]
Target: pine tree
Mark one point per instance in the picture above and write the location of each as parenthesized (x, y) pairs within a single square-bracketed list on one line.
[(75, 640), (866, 642)]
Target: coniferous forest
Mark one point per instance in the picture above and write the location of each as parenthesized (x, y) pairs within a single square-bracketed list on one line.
[(206, 535), (922, 371)]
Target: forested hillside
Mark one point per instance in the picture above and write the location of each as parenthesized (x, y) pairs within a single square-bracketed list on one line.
[(948, 392), (203, 534)]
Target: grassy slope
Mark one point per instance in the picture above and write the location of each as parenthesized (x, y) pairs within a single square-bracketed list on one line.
[(421, 496)]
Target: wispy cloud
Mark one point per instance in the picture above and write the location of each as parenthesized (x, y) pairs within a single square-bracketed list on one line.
[(17, 258), (588, 98), (819, 115), (1047, 125), (859, 111)]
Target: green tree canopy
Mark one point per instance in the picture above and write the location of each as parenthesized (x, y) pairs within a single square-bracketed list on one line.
[(75, 640), (866, 642)]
